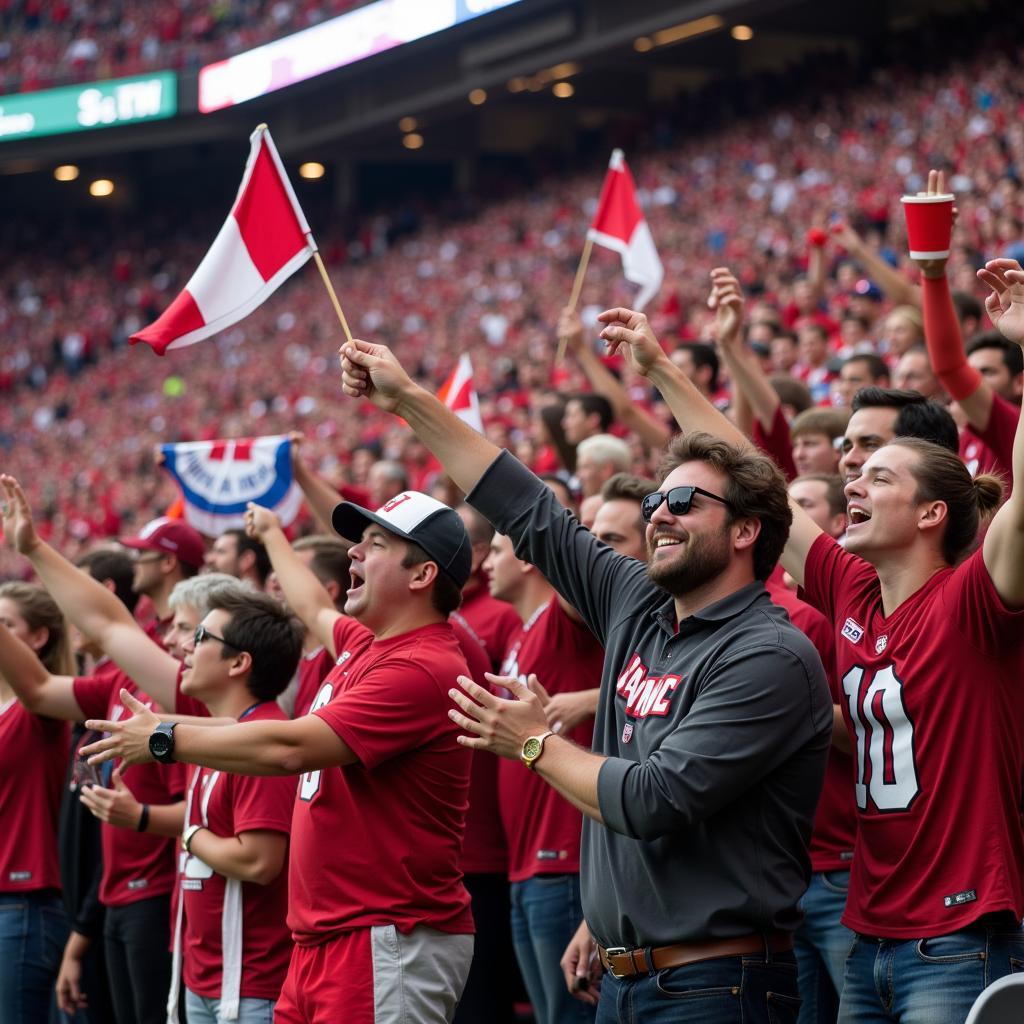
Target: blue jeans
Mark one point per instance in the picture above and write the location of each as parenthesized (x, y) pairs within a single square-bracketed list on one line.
[(201, 1010), (821, 945), (927, 981), (33, 930), (546, 912), (725, 990)]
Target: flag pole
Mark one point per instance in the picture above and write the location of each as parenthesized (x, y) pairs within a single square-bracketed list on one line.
[(330, 291), (574, 298)]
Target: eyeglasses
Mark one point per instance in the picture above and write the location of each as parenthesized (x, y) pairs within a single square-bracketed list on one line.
[(679, 501), (202, 634), (141, 559)]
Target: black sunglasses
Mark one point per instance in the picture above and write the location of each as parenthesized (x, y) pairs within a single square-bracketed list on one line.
[(202, 633), (679, 501)]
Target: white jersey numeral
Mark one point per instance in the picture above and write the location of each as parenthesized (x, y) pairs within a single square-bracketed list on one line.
[(885, 740), (309, 785)]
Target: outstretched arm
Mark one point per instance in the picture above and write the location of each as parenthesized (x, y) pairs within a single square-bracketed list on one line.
[(89, 605), (40, 692), (888, 278), (1003, 550), (652, 432), (305, 594)]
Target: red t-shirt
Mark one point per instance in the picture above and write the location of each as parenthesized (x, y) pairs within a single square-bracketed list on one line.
[(932, 701), (999, 434), (401, 808), (136, 865), (33, 760), (230, 805), (313, 669), (494, 622), (835, 821), (542, 828), (977, 456), (777, 442)]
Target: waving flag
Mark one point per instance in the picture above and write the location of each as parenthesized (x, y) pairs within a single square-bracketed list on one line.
[(460, 396), (619, 224), (262, 243), (218, 478)]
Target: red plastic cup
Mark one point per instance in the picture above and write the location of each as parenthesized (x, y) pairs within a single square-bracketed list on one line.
[(929, 225)]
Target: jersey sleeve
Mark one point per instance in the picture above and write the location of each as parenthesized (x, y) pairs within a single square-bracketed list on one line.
[(92, 694), (394, 709), (263, 803), (349, 635), (830, 576), (777, 442), (973, 602)]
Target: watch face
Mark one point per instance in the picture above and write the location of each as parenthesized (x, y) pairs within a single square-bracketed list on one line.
[(159, 744), (532, 748)]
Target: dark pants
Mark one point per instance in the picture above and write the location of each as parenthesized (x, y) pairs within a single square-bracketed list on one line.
[(33, 930), (137, 938), (726, 990), (490, 989)]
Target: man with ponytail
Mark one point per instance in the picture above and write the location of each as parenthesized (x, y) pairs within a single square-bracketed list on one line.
[(929, 655)]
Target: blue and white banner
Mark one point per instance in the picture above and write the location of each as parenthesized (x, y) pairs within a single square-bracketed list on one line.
[(219, 478)]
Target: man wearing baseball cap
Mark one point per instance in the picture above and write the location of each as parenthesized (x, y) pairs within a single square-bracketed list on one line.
[(377, 908), (165, 551)]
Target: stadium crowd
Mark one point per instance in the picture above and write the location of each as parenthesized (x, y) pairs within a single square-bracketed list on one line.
[(626, 603), (61, 43)]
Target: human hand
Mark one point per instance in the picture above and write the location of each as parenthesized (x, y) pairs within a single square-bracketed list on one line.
[(70, 995), (127, 739), (498, 725), (19, 530), (373, 372), (570, 327), (1005, 302), (936, 186), (626, 327), (581, 967), (259, 521), (564, 711), (845, 236), (726, 299), (114, 806)]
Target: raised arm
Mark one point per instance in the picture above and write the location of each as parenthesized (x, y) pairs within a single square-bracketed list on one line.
[(40, 692), (89, 605), (1003, 549), (888, 278), (652, 432), (320, 495), (306, 595)]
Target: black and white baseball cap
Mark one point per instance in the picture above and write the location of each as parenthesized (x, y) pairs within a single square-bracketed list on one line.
[(416, 517)]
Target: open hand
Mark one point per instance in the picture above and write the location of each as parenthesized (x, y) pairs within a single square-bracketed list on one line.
[(1005, 303), (115, 806), (19, 530), (127, 739), (498, 725), (726, 299)]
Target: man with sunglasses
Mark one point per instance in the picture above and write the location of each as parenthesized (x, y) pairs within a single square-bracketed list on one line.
[(711, 734)]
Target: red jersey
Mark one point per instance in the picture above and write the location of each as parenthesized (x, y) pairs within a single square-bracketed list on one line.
[(835, 821), (313, 669), (136, 865), (777, 442), (402, 807), (977, 456), (33, 760), (542, 828), (230, 805), (931, 699), (999, 434), (494, 622)]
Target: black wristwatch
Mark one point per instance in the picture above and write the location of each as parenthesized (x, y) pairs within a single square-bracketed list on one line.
[(161, 742)]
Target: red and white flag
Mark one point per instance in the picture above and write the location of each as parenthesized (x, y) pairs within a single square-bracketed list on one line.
[(619, 224), (262, 243), (460, 396)]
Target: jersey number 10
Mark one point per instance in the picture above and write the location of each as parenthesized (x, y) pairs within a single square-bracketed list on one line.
[(885, 739)]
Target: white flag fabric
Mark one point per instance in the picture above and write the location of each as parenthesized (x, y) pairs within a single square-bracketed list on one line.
[(619, 224)]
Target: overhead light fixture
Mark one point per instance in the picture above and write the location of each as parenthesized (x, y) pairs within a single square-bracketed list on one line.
[(101, 187), (407, 124), (563, 90), (311, 170), (678, 33), (412, 141), (66, 172), (643, 44), (742, 33), (517, 84), (478, 97)]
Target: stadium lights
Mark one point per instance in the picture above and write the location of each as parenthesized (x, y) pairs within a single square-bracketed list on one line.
[(563, 90), (412, 141), (311, 170), (517, 84), (542, 79), (101, 187), (66, 172), (677, 33), (478, 97), (407, 124), (742, 33)]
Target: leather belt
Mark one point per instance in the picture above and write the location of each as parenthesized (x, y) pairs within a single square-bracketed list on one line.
[(628, 963)]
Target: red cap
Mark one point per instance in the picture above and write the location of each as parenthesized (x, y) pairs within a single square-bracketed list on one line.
[(171, 536)]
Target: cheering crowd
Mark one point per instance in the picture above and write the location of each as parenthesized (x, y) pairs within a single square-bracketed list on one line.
[(581, 721)]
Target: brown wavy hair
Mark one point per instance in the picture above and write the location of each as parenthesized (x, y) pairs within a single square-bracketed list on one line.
[(40, 611)]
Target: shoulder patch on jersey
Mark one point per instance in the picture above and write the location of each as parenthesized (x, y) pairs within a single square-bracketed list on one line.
[(853, 631)]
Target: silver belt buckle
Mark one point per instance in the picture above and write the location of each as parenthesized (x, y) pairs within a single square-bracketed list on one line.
[(615, 951)]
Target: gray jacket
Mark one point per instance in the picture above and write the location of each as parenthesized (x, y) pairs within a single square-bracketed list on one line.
[(716, 738)]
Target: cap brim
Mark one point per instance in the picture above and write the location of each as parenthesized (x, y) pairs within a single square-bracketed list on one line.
[(350, 520), (139, 543)]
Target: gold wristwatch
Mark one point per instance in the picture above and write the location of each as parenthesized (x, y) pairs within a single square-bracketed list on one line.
[(533, 748)]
